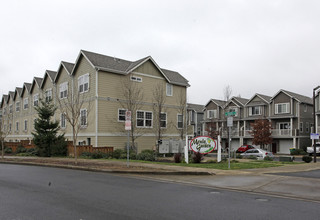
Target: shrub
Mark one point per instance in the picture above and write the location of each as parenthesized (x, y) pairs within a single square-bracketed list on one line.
[(117, 153), (211, 161), (21, 149), (307, 159), (239, 156), (267, 158), (197, 157), (86, 154), (97, 155), (147, 155), (177, 158), (7, 150), (297, 152)]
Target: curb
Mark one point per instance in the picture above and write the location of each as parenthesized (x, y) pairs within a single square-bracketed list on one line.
[(115, 171)]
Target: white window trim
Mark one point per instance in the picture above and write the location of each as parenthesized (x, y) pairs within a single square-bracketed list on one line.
[(287, 108), (48, 91), (251, 112), (122, 115), (169, 93), (235, 109), (63, 122), (81, 82), (164, 120), (86, 124), (18, 106), (214, 113), (25, 103), (144, 119), (62, 88), (178, 121), (36, 99)]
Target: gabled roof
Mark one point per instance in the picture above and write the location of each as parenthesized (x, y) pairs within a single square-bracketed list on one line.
[(36, 81), (4, 99), (11, 95), (195, 107), (26, 86), (48, 74), (67, 66), (298, 97), (121, 66), (237, 101), (17, 92), (220, 103), (264, 98)]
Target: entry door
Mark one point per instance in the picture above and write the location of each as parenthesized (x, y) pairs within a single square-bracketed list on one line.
[(274, 148)]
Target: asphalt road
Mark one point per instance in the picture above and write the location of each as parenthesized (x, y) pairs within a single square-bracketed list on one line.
[(31, 192)]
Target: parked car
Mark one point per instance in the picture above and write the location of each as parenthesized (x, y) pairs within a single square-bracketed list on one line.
[(244, 148), (310, 150), (257, 153)]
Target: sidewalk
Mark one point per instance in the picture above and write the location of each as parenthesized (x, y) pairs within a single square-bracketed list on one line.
[(113, 166)]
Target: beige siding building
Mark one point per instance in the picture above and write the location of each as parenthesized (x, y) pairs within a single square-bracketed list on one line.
[(108, 86)]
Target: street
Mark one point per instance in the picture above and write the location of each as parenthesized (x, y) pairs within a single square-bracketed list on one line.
[(33, 192)]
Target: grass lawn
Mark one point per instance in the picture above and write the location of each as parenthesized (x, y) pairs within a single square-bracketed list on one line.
[(254, 164)]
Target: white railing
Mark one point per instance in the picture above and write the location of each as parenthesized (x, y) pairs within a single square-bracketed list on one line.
[(281, 132)]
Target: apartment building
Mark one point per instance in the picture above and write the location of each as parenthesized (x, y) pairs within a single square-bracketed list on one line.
[(102, 81), (195, 118), (290, 115)]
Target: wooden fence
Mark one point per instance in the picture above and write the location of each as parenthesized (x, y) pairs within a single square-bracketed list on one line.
[(80, 149)]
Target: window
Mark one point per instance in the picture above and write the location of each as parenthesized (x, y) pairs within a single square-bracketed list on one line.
[(4, 111), (17, 106), (48, 95), (284, 125), (212, 113), (282, 108), (63, 120), (10, 126), (163, 120), (136, 79), (25, 125), (122, 114), (63, 90), (307, 126), (169, 89), (36, 100), (83, 117), (17, 126), (180, 121), (83, 83), (25, 103), (10, 108), (254, 110), (301, 126), (144, 119)]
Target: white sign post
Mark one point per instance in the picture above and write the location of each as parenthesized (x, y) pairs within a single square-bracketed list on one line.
[(229, 124), (128, 128), (219, 149)]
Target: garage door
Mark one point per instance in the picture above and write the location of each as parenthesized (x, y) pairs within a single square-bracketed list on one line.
[(284, 146), (235, 144)]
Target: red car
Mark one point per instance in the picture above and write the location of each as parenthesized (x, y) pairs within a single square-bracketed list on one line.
[(244, 148)]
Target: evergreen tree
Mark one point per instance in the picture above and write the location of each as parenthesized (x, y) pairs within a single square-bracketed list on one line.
[(46, 137)]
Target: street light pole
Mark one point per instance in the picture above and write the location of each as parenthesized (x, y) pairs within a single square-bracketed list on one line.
[(314, 122)]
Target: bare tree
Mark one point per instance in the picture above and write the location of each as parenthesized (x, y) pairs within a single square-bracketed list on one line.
[(227, 91), (75, 105), (5, 129), (159, 99), (133, 101), (182, 117)]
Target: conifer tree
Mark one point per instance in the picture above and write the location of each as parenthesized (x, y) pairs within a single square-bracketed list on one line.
[(46, 137)]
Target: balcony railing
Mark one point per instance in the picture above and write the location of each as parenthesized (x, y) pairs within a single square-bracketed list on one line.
[(280, 132)]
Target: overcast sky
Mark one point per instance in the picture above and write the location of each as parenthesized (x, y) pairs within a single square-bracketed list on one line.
[(253, 46)]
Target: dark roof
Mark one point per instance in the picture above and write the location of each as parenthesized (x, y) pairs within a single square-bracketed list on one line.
[(38, 80), (5, 98), (121, 66), (68, 66), (242, 101), (300, 98), (52, 74), (27, 85), (265, 97), (11, 94), (195, 107)]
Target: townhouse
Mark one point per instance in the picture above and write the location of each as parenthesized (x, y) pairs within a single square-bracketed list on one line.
[(290, 115), (103, 83), (195, 118)]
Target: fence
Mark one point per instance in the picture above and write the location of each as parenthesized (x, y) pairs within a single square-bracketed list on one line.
[(80, 149)]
